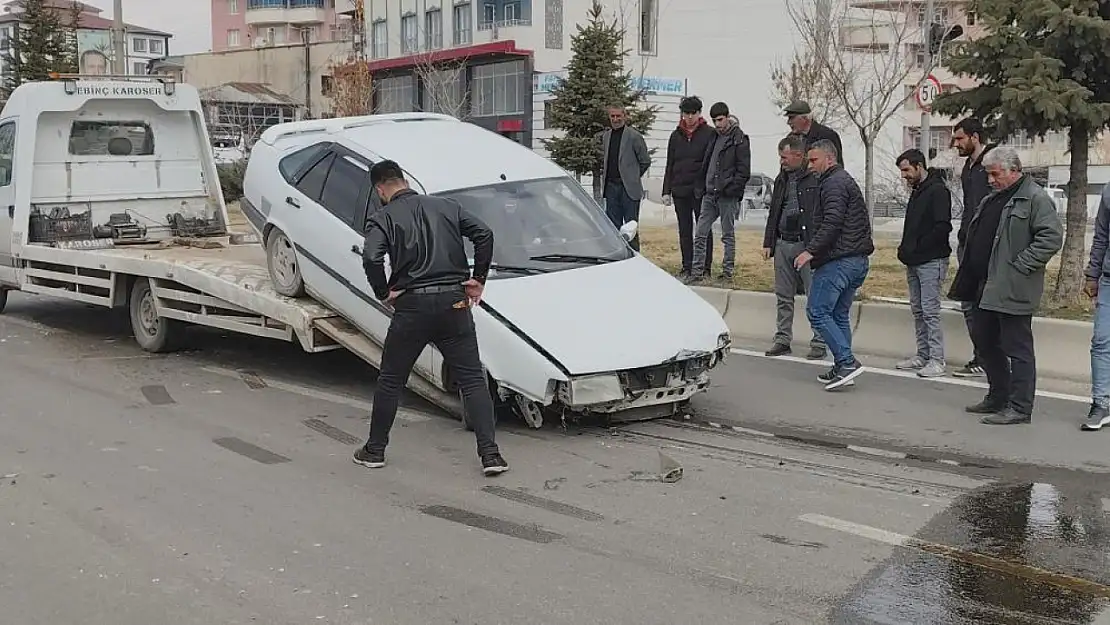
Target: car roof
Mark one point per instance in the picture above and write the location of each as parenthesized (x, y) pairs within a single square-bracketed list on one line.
[(448, 154)]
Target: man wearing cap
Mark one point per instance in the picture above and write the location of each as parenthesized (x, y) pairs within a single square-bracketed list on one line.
[(799, 116)]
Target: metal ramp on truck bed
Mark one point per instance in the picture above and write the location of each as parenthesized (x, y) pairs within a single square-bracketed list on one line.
[(209, 282)]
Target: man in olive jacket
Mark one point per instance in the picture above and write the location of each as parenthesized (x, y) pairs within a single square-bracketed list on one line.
[(1011, 238)]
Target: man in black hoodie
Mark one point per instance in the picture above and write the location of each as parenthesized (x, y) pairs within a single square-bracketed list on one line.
[(969, 138), (683, 182), (924, 251)]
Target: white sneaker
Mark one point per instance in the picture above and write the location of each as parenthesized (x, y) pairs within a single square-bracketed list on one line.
[(933, 369), (911, 364)]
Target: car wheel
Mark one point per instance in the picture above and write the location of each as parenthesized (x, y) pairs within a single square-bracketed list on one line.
[(281, 260), (3, 299)]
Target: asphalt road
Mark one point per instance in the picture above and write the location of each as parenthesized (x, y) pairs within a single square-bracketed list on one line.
[(214, 486)]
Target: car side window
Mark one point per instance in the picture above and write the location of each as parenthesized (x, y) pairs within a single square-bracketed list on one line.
[(7, 153), (347, 180), (290, 165), (312, 182)]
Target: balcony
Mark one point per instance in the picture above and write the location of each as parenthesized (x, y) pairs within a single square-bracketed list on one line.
[(499, 14), (261, 12)]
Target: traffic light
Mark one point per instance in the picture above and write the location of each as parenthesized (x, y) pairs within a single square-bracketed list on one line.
[(940, 34)]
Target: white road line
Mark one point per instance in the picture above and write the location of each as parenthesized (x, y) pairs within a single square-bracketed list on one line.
[(334, 398), (894, 373), (848, 527)]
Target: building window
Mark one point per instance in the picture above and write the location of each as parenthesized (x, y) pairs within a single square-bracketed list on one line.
[(233, 39), (649, 24), (512, 12), (396, 94), (500, 89), (1020, 141), (410, 36), (548, 108), (489, 16), (379, 39), (462, 25), (971, 18), (327, 85), (443, 91), (156, 47), (553, 25), (138, 69), (433, 29), (233, 7), (139, 45)]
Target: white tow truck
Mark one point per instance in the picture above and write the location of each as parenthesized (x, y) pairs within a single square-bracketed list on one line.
[(109, 196)]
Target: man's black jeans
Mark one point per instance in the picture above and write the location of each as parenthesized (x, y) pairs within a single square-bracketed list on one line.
[(1005, 347), (430, 316), (687, 209)]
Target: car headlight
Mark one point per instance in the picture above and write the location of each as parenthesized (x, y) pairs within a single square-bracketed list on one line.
[(595, 389)]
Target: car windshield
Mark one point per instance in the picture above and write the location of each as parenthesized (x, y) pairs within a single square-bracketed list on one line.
[(542, 225)]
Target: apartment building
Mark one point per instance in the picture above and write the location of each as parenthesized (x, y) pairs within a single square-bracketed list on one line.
[(241, 24), (495, 60), (94, 38)]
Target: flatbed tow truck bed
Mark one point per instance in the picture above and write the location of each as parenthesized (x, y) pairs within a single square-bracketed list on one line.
[(211, 281)]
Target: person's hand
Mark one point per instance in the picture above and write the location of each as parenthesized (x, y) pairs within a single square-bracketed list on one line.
[(667, 201), (1090, 288), (802, 260), (474, 291), (392, 297), (766, 253)]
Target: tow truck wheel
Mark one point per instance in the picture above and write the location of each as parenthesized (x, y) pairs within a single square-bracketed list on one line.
[(153, 332), (3, 299), (281, 260)]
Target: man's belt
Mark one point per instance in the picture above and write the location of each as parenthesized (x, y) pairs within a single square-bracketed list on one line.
[(437, 288), (791, 238)]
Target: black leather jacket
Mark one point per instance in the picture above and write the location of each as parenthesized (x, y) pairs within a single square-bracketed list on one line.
[(423, 236)]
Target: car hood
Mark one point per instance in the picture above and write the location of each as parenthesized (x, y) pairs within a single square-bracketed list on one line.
[(610, 317)]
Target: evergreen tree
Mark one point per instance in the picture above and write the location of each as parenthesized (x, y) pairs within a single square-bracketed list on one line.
[(1043, 66), (595, 79), (44, 42)]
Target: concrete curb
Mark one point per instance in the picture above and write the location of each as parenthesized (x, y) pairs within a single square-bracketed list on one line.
[(885, 328)]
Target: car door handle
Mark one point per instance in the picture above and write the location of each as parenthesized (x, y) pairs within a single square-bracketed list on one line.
[(11, 211), (290, 201), (356, 250)]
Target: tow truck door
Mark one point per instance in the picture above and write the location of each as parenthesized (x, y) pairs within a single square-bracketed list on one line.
[(7, 201)]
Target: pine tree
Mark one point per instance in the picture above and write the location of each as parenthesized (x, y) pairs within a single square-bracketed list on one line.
[(44, 42), (595, 80), (1042, 67)]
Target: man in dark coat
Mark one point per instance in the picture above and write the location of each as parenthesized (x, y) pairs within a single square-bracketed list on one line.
[(683, 182), (799, 116)]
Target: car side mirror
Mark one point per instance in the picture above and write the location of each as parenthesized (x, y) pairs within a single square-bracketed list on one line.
[(629, 230)]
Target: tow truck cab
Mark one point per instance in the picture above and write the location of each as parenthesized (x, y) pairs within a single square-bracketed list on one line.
[(98, 162)]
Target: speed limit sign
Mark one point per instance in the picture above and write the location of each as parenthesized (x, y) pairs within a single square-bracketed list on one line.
[(927, 92)]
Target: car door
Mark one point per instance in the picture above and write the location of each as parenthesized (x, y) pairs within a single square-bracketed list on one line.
[(7, 201)]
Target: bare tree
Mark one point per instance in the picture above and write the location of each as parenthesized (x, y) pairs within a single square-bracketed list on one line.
[(869, 65), (443, 86), (804, 75), (351, 89)]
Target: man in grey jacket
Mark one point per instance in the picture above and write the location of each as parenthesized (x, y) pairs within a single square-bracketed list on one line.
[(1010, 240), (624, 161), (1098, 289)]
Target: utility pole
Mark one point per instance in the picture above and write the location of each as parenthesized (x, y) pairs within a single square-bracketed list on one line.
[(927, 44), (307, 73), (119, 41)]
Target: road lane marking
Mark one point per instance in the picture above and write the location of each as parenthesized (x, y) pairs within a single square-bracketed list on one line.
[(334, 398), (894, 373), (1017, 569)]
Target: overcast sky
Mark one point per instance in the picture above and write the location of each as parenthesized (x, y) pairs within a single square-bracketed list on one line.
[(187, 20)]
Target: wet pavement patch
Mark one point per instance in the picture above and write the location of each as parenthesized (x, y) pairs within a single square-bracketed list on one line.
[(157, 395), (544, 503), (1006, 554), (332, 432), (250, 450), (491, 524)]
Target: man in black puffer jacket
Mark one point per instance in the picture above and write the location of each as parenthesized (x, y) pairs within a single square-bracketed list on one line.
[(683, 182), (839, 252)]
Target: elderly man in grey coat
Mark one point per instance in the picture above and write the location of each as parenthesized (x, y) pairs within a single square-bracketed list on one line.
[(624, 161), (1011, 238)]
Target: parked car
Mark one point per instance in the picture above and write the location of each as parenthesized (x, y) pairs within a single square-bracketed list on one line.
[(572, 319)]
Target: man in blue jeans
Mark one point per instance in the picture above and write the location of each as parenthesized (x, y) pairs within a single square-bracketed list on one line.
[(839, 252), (1098, 288)]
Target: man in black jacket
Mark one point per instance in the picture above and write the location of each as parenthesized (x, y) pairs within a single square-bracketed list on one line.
[(793, 202), (726, 170), (839, 251), (924, 251), (799, 116), (683, 182), (430, 289), (969, 137)]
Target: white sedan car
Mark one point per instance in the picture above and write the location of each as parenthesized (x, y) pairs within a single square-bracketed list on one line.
[(573, 322)]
